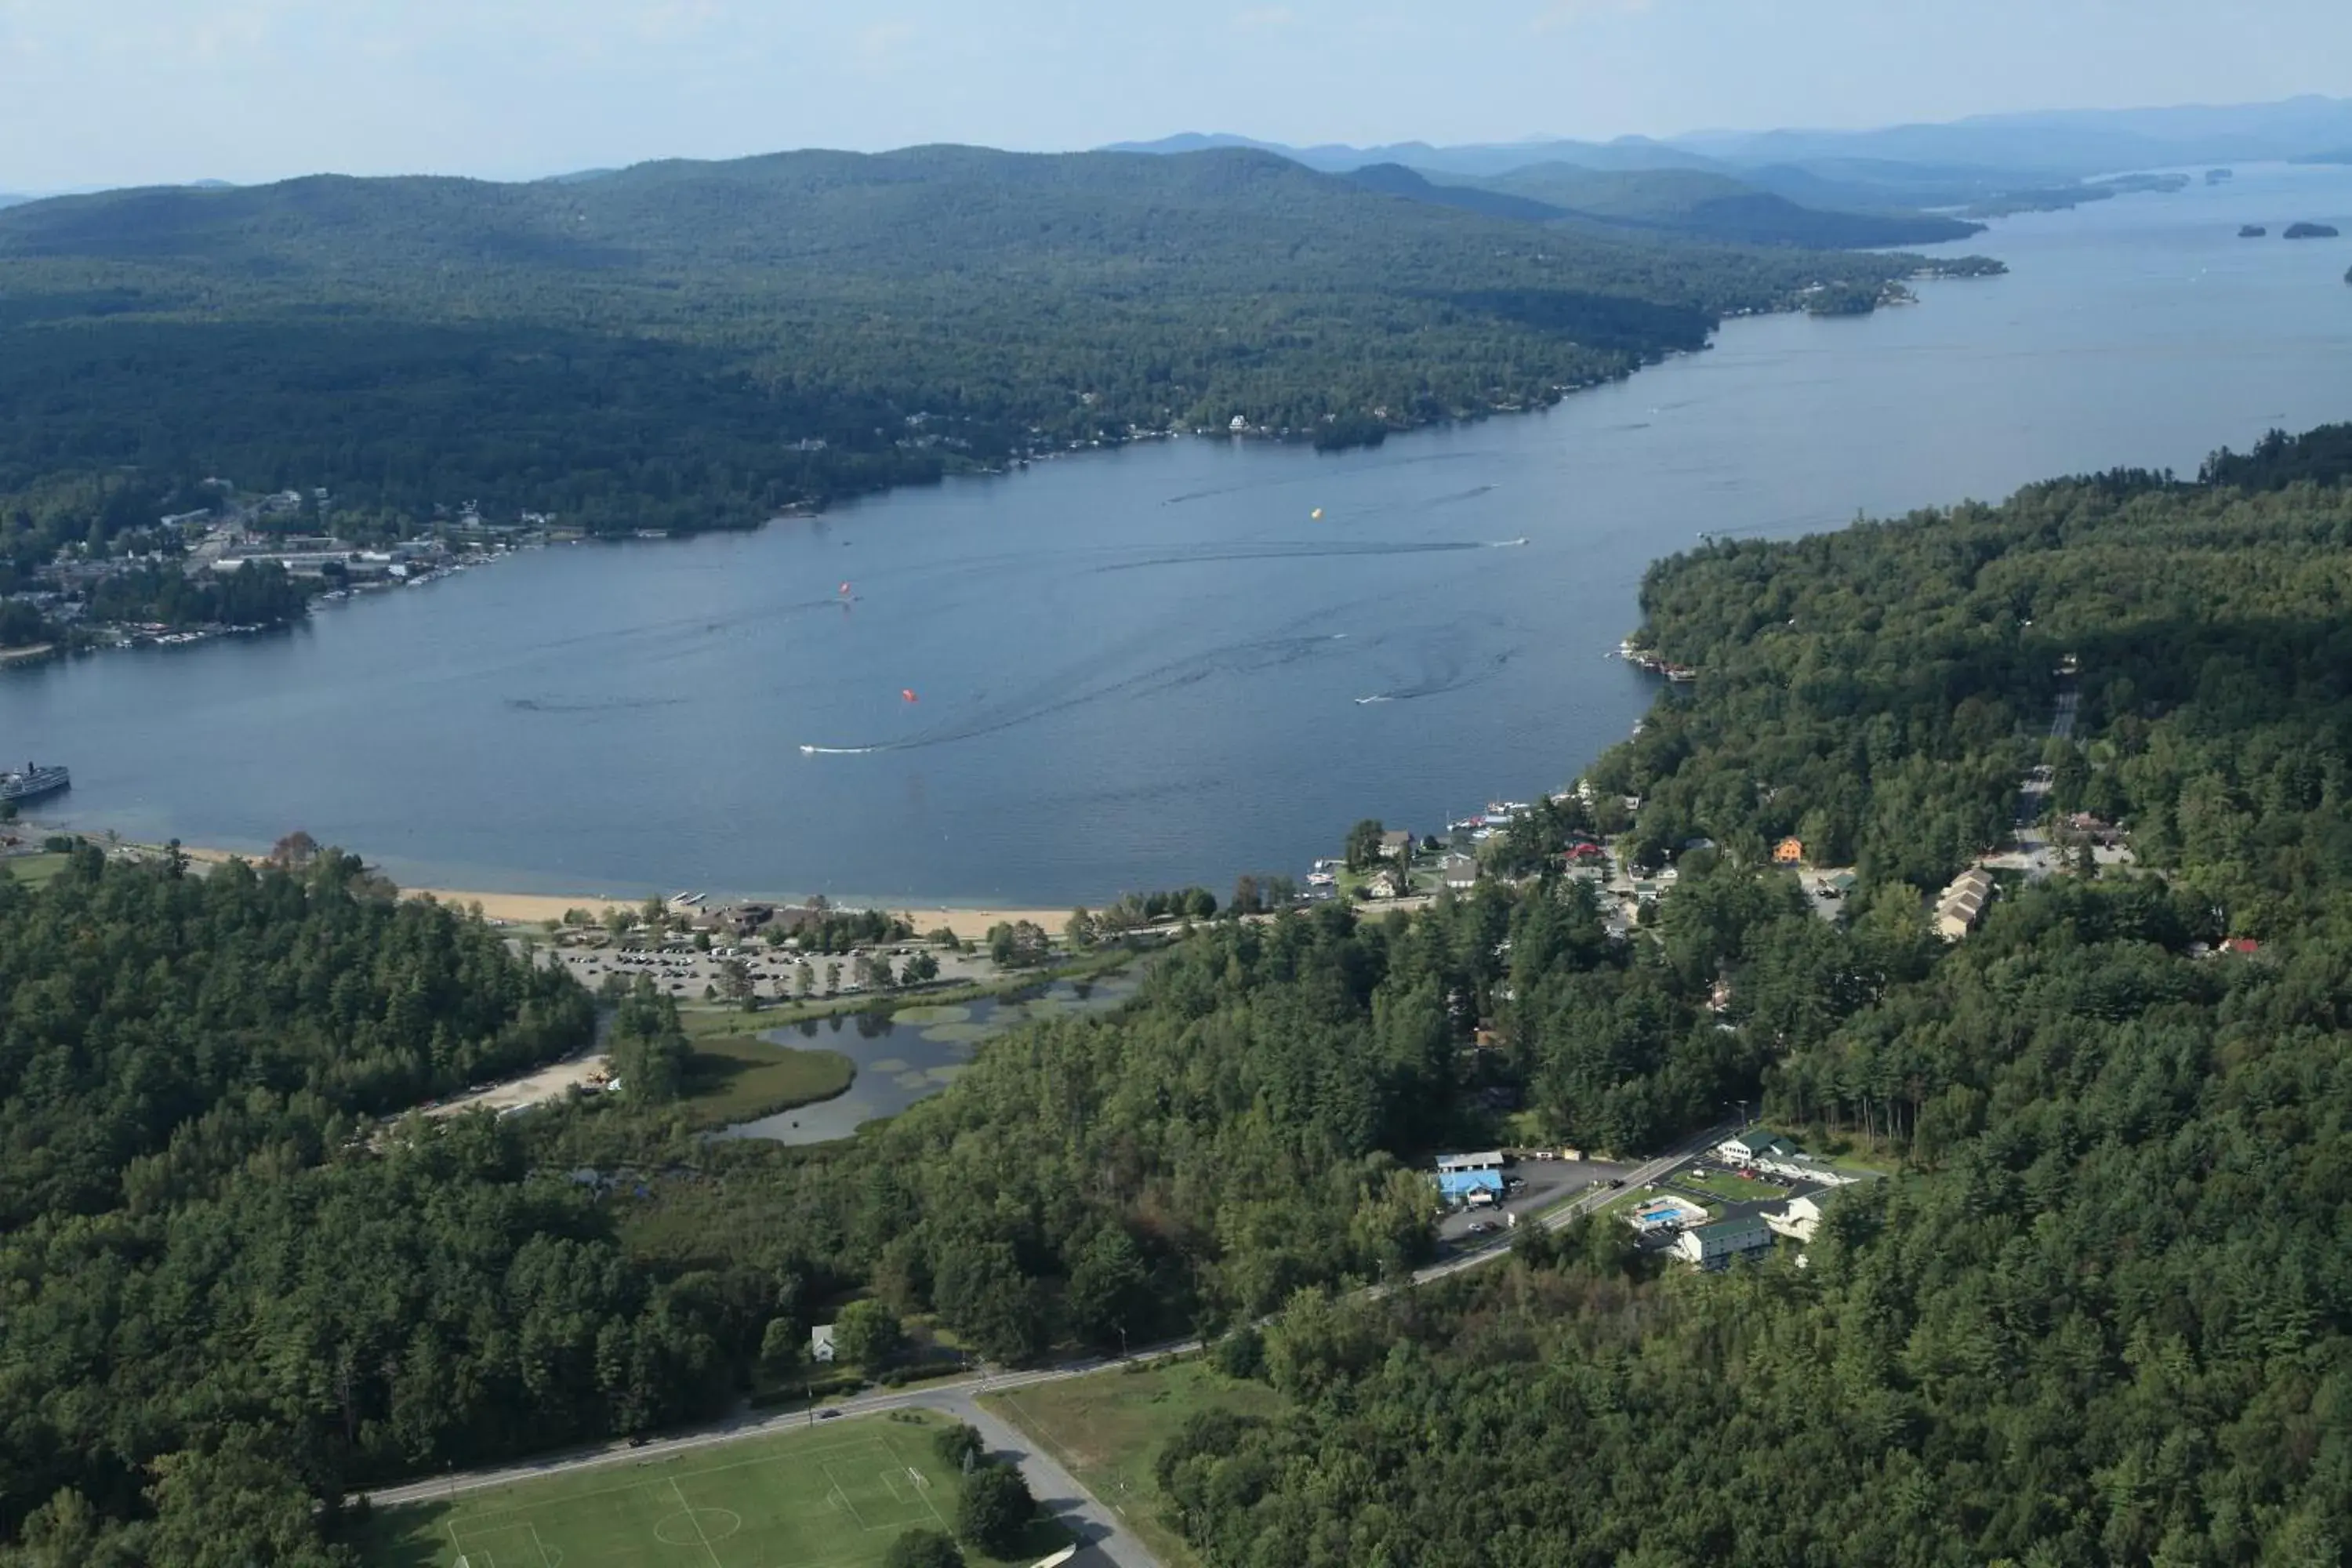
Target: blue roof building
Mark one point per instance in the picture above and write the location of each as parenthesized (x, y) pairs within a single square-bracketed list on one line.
[(1456, 1185)]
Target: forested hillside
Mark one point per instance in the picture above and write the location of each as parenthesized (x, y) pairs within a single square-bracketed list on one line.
[(691, 345), (2104, 1313), (1700, 205)]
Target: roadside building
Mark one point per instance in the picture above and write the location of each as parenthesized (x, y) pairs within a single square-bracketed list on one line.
[(1756, 1144), (821, 1344), (1485, 1160), (1717, 1245), (1462, 1186)]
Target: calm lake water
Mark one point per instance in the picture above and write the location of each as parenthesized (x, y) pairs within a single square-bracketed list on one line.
[(916, 1052), (1154, 667)]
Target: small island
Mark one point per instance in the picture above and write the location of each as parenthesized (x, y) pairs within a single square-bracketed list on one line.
[(2215, 177), (2311, 231), (2252, 231)]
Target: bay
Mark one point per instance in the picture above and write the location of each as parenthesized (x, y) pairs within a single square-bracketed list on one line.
[(1153, 666)]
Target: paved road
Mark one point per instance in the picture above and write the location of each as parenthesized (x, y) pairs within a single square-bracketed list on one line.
[(1079, 1511)]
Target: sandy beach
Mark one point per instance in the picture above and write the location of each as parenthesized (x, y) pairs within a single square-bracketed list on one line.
[(534, 909), (531, 909)]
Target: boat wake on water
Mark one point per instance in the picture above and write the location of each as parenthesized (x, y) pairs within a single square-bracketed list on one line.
[(1302, 550), (1255, 656)]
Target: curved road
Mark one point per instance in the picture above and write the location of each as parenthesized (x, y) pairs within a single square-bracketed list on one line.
[(1077, 1509)]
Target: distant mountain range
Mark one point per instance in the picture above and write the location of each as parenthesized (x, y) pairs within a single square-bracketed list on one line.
[(1828, 188), (1691, 204), (2074, 143)]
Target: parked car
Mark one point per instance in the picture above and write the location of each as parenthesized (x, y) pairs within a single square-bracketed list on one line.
[(1482, 1227)]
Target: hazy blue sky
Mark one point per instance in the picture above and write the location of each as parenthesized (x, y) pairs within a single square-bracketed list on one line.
[(114, 91)]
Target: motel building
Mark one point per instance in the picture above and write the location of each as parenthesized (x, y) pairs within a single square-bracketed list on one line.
[(1717, 1245)]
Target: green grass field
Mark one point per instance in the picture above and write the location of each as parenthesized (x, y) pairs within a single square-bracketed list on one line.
[(1107, 1429), (834, 1496), (33, 870), (1725, 1184)]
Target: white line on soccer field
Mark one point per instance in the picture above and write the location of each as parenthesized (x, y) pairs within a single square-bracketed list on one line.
[(923, 1488), (696, 1524)]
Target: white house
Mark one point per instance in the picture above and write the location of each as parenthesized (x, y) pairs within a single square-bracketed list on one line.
[(1801, 1220), (821, 1344), (1461, 872), (1757, 1143), (1716, 1246)]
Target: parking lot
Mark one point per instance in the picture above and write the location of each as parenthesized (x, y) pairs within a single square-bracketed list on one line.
[(1542, 1183), (687, 974)]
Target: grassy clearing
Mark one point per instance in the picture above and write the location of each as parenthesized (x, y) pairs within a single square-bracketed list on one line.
[(35, 870), (1725, 1185), (1107, 1430), (831, 1496), (738, 1077)]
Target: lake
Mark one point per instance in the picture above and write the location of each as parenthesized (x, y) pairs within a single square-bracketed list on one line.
[(1154, 667)]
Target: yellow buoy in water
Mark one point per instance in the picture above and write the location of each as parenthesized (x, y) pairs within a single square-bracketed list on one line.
[(1317, 514)]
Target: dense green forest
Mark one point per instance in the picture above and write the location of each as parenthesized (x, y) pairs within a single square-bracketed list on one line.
[(689, 345), (2101, 1315), (2104, 1314)]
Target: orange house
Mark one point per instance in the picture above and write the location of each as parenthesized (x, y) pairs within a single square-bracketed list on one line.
[(1788, 852)]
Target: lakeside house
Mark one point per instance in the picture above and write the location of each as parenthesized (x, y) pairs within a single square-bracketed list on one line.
[(1396, 844), (1461, 872)]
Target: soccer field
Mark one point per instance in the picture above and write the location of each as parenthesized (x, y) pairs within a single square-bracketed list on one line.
[(831, 1497)]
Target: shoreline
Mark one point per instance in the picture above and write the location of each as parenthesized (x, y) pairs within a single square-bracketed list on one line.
[(968, 922)]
